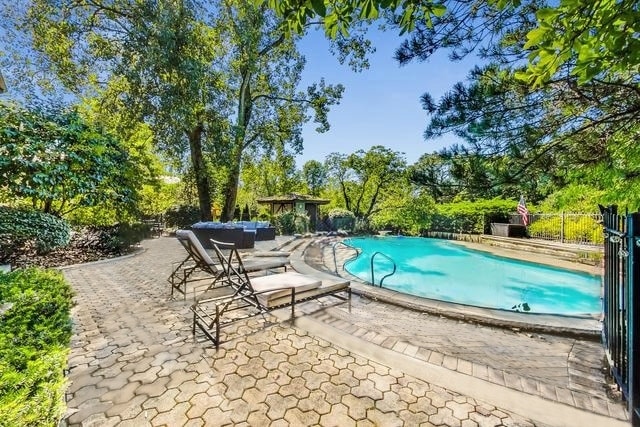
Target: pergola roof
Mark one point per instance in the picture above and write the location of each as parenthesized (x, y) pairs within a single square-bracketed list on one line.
[(293, 197)]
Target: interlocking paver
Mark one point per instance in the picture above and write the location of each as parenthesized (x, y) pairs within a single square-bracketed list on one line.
[(135, 363)]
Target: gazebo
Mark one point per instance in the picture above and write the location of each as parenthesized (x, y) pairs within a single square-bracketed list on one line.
[(299, 202)]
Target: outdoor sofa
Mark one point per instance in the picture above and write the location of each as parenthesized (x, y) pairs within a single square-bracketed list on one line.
[(243, 234)]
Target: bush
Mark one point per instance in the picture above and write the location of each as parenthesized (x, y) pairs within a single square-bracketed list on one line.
[(182, 216), (113, 239), (34, 343), (291, 223), (471, 217), (20, 228), (341, 219), (577, 229)]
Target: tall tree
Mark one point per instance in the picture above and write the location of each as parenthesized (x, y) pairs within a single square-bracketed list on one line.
[(365, 177), (264, 71), (315, 176)]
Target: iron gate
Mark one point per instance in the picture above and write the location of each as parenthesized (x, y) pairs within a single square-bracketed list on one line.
[(621, 323)]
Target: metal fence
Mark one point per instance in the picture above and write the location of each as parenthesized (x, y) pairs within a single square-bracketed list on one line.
[(620, 331), (564, 227)]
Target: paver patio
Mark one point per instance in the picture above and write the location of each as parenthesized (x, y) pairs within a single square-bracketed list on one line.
[(135, 362)]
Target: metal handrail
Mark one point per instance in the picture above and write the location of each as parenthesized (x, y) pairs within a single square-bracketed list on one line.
[(335, 262), (373, 282)]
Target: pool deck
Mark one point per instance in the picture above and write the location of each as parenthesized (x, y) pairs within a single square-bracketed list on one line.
[(135, 362)]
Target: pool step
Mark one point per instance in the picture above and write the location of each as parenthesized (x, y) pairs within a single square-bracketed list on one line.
[(591, 255)]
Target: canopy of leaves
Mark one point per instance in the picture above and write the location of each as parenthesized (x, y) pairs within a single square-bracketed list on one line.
[(59, 162), (365, 177)]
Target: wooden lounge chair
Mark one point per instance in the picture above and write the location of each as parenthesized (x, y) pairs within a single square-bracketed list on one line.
[(199, 266), (250, 296)]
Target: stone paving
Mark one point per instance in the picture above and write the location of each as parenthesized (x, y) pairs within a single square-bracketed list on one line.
[(135, 362)]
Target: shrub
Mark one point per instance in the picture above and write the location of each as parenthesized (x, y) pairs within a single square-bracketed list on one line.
[(182, 216), (34, 342), (577, 229), (471, 217), (19, 228), (291, 222), (341, 219)]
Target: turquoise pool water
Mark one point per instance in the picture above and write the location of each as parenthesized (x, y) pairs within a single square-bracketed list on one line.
[(443, 270)]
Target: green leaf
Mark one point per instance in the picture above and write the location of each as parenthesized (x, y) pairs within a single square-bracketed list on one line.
[(319, 7)]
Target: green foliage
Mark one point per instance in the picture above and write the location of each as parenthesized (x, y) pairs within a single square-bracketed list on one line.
[(291, 222), (575, 197), (340, 213), (471, 217), (599, 38), (182, 216), (19, 227), (59, 161), (315, 176), (409, 213), (34, 341), (364, 178), (577, 229), (341, 219), (338, 16)]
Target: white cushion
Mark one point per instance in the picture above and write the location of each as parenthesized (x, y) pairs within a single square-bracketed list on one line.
[(272, 285)]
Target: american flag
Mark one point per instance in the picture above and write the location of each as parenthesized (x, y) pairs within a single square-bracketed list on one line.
[(523, 211)]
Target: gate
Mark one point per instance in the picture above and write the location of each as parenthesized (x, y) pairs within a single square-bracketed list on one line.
[(621, 324)]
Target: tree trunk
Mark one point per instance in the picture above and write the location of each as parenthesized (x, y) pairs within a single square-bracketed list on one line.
[(231, 190), (244, 116), (200, 172)]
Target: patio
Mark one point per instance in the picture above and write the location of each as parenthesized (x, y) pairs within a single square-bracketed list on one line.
[(134, 362)]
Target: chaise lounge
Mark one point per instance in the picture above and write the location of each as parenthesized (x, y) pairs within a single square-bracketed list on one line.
[(214, 270), (251, 296)]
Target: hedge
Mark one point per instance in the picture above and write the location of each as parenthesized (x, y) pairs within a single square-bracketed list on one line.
[(34, 345), (19, 227), (471, 217)]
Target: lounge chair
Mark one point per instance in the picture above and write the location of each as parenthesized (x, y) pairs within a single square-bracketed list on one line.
[(251, 296), (199, 266)]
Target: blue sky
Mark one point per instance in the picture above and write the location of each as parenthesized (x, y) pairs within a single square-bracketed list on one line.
[(381, 105)]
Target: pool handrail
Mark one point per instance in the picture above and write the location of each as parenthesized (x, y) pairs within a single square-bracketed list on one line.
[(335, 262), (373, 282)]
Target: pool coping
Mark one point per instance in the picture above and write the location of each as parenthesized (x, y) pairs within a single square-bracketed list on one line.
[(581, 327)]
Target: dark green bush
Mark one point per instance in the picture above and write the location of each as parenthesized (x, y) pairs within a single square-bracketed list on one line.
[(291, 223), (20, 227), (471, 217), (182, 216), (34, 344)]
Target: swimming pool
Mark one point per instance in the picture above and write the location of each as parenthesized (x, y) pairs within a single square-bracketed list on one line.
[(446, 271)]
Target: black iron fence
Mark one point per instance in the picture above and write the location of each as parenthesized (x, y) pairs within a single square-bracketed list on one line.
[(564, 227), (620, 332)]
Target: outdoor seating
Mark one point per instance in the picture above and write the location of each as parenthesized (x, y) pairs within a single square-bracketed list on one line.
[(238, 235), (252, 296), (199, 266)]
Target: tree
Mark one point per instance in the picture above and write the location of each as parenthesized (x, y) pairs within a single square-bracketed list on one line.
[(365, 177), (60, 162), (150, 62), (211, 80), (265, 71), (597, 39), (315, 176)]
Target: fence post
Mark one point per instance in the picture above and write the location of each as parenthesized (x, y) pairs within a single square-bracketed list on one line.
[(632, 305), (562, 227)]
